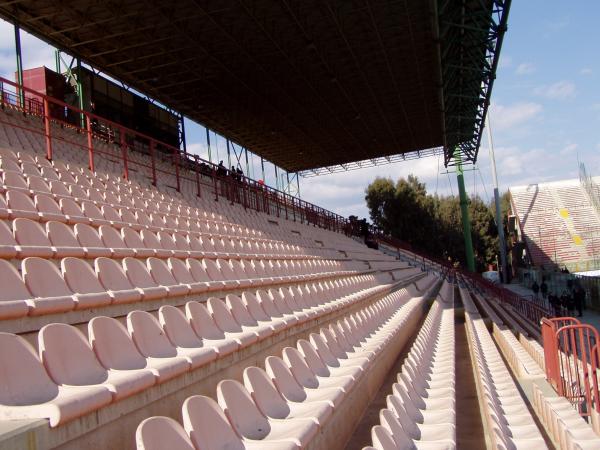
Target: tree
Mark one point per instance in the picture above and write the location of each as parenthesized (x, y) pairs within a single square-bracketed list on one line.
[(431, 223)]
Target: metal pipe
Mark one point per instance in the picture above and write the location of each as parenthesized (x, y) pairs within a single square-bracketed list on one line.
[(19, 64), (499, 221), (208, 145), (464, 209)]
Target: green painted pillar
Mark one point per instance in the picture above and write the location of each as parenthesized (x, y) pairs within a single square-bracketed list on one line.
[(464, 209), (57, 60), (19, 65), (80, 92)]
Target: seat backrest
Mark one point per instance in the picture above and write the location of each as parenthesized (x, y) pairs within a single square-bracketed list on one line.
[(150, 239), (43, 278), (38, 184), (166, 241), (88, 236), (111, 274), (23, 377), (253, 306), (46, 204), (111, 238), (28, 232), (160, 272), (207, 425), (90, 210), (244, 415), (312, 358), (382, 438), (180, 271), (222, 316), (80, 276), (113, 346), (68, 356), (137, 273), (6, 236), (213, 271), (298, 366), (226, 271), (202, 322), (284, 379), (132, 238), (19, 201), (239, 311), (148, 335), (158, 433), (177, 327), (13, 286), (110, 213), (70, 207), (61, 234), (197, 270), (265, 394)]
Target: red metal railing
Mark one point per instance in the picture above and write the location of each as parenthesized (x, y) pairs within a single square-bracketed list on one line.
[(182, 166), (572, 361)]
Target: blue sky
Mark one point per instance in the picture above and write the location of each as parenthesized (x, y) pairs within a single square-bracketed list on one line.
[(545, 109)]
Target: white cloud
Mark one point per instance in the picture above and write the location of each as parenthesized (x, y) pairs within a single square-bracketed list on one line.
[(506, 117), (586, 71), (505, 61), (525, 69), (568, 149), (560, 90)]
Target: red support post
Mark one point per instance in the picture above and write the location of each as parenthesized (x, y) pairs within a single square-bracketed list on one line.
[(176, 156), (153, 161), (197, 174), (47, 126), (124, 153)]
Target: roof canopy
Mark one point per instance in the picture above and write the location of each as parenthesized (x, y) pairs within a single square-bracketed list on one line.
[(305, 84)]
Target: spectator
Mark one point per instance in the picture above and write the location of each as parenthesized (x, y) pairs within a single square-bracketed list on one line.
[(555, 303), (544, 288), (221, 170), (579, 300), (535, 288), (240, 174)]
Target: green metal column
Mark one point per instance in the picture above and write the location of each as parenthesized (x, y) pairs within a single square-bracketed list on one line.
[(80, 92), (464, 209), (57, 60), (208, 145), (19, 64)]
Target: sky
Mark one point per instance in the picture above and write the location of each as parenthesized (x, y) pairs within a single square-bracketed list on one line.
[(545, 111)]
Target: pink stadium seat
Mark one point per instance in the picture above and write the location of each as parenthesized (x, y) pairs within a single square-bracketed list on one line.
[(163, 277), (158, 433), (115, 350), (243, 317), (271, 403), (258, 313), (225, 321), (29, 393), (72, 211), (50, 292), (38, 185), (8, 245), (208, 427), (111, 238), (31, 235), (139, 277), (48, 208), (93, 213), (113, 278), (200, 276), (151, 241), (182, 275), (14, 181), (152, 341), (62, 238), (250, 423), (82, 280), (205, 328), (21, 205), (133, 240), (70, 361), (14, 293), (88, 238)]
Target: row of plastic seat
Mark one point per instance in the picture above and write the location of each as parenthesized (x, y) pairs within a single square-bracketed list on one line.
[(564, 424), (24, 237), (506, 414), (43, 288), (287, 404), (44, 208), (520, 360), (75, 377), (421, 411)]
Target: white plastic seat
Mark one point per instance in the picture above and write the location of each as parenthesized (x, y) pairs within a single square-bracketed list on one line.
[(139, 276), (205, 328), (112, 239), (50, 293), (271, 403), (152, 341), (70, 361), (250, 423), (113, 278), (226, 322), (88, 238), (115, 350), (199, 274), (63, 239), (133, 240), (209, 428), (159, 433), (183, 276), (241, 315), (14, 293), (29, 393), (82, 280), (31, 235), (21, 205), (162, 275)]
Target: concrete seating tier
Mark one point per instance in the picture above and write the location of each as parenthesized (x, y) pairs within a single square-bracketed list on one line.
[(297, 400), (421, 409)]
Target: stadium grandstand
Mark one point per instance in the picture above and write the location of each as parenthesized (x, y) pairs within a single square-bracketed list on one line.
[(154, 300)]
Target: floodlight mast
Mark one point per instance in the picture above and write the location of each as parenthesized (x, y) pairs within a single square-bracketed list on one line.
[(499, 221)]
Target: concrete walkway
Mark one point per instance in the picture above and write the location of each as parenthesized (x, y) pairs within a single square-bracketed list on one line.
[(590, 317)]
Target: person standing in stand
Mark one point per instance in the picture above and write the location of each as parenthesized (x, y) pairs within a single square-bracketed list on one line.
[(544, 288)]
